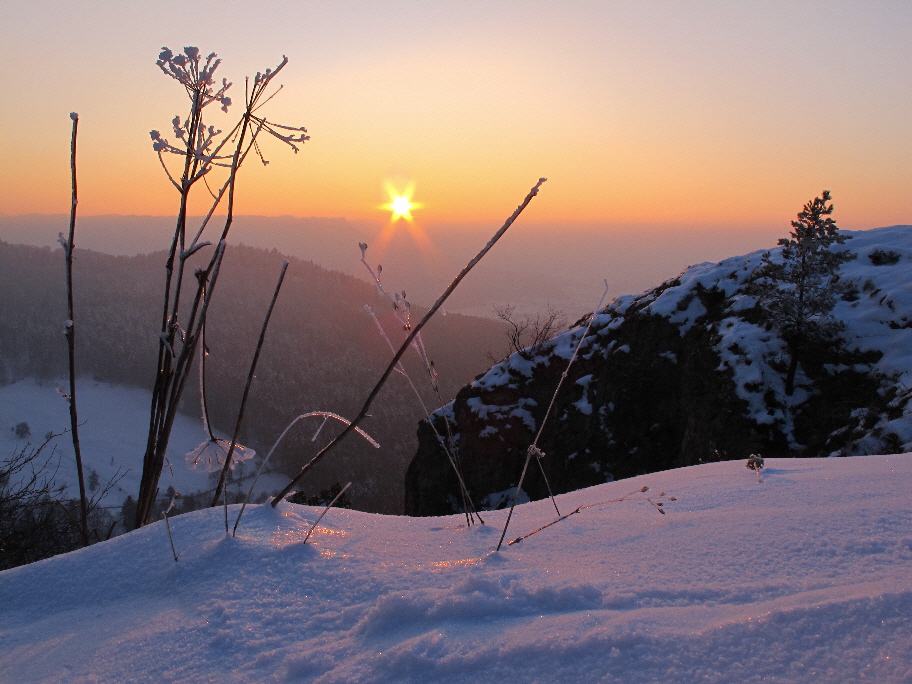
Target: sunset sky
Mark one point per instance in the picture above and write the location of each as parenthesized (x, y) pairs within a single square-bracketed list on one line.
[(645, 112)]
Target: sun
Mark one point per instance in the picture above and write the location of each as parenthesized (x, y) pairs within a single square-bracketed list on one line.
[(401, 208), (400, 205)]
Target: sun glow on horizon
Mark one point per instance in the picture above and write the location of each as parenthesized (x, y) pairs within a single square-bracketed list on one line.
[(402, 208), (400, 204)]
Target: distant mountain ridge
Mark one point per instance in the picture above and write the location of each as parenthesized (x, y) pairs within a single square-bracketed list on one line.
[(535, 266), (686, 373)]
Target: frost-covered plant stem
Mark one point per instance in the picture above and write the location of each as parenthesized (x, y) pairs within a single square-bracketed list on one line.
[(408, 340), (70, 333), (202, 152), (468, 506), (533, 449), (326, 415), (167, 392), (253, 365)]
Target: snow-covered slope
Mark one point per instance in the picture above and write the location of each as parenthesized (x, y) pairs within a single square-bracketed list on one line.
[(876, 314), (803, 577)]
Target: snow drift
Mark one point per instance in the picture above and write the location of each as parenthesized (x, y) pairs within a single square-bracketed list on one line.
[(803, 577)]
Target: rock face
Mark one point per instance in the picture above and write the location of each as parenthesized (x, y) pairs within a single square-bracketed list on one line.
[(686, 373)]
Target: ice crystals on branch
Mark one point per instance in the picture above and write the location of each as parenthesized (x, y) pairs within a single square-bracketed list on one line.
[(185, 69), (210, 455), (202, 145)]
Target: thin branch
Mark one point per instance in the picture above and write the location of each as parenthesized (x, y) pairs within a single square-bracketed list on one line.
[(70, 333), (655, 504), (533, 449), (325, 511), (168, 526), (253, 365)]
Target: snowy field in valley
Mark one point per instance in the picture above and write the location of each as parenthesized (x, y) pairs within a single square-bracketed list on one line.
[(803, 577), (113, 426)]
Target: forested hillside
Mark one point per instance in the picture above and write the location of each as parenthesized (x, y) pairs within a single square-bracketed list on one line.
[(322, 352)]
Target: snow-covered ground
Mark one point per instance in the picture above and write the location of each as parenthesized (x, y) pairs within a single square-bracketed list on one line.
[(803, 577), (114, 423)]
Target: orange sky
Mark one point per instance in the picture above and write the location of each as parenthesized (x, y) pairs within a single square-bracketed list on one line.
[(638, 112)]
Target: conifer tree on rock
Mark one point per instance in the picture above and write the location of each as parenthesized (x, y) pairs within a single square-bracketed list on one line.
[(799, 292)]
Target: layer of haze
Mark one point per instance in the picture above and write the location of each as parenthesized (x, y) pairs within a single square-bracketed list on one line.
[(533, 267)]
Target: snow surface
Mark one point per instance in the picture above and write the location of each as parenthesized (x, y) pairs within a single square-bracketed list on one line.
[(803, 577)]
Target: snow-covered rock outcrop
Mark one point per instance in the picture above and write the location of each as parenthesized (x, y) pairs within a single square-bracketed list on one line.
[(688, 372)]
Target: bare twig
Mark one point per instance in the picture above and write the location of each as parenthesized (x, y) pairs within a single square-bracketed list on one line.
[(70, 333), (168, 526), (651, 500), (533, 449), (325, 511), (253, 364), (408, 340)]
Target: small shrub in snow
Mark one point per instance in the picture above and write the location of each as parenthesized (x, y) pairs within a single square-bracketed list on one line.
[(22, 430), (527, 335), (881, 258), (755, 463), (35, 519)]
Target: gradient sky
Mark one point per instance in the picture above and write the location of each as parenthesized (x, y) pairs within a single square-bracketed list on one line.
[(672, 113)]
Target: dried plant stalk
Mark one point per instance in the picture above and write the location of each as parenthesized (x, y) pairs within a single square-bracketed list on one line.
[(201, 153), (70, 333), (253, 365), (533, 449)]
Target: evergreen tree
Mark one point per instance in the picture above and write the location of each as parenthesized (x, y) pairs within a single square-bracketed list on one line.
[(799, 292)]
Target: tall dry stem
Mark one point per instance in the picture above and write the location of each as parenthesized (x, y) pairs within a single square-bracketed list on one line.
[(253, 365), (70, 333), (533, 449)]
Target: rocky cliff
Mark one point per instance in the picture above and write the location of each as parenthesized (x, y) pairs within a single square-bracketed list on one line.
[(688, 372)]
